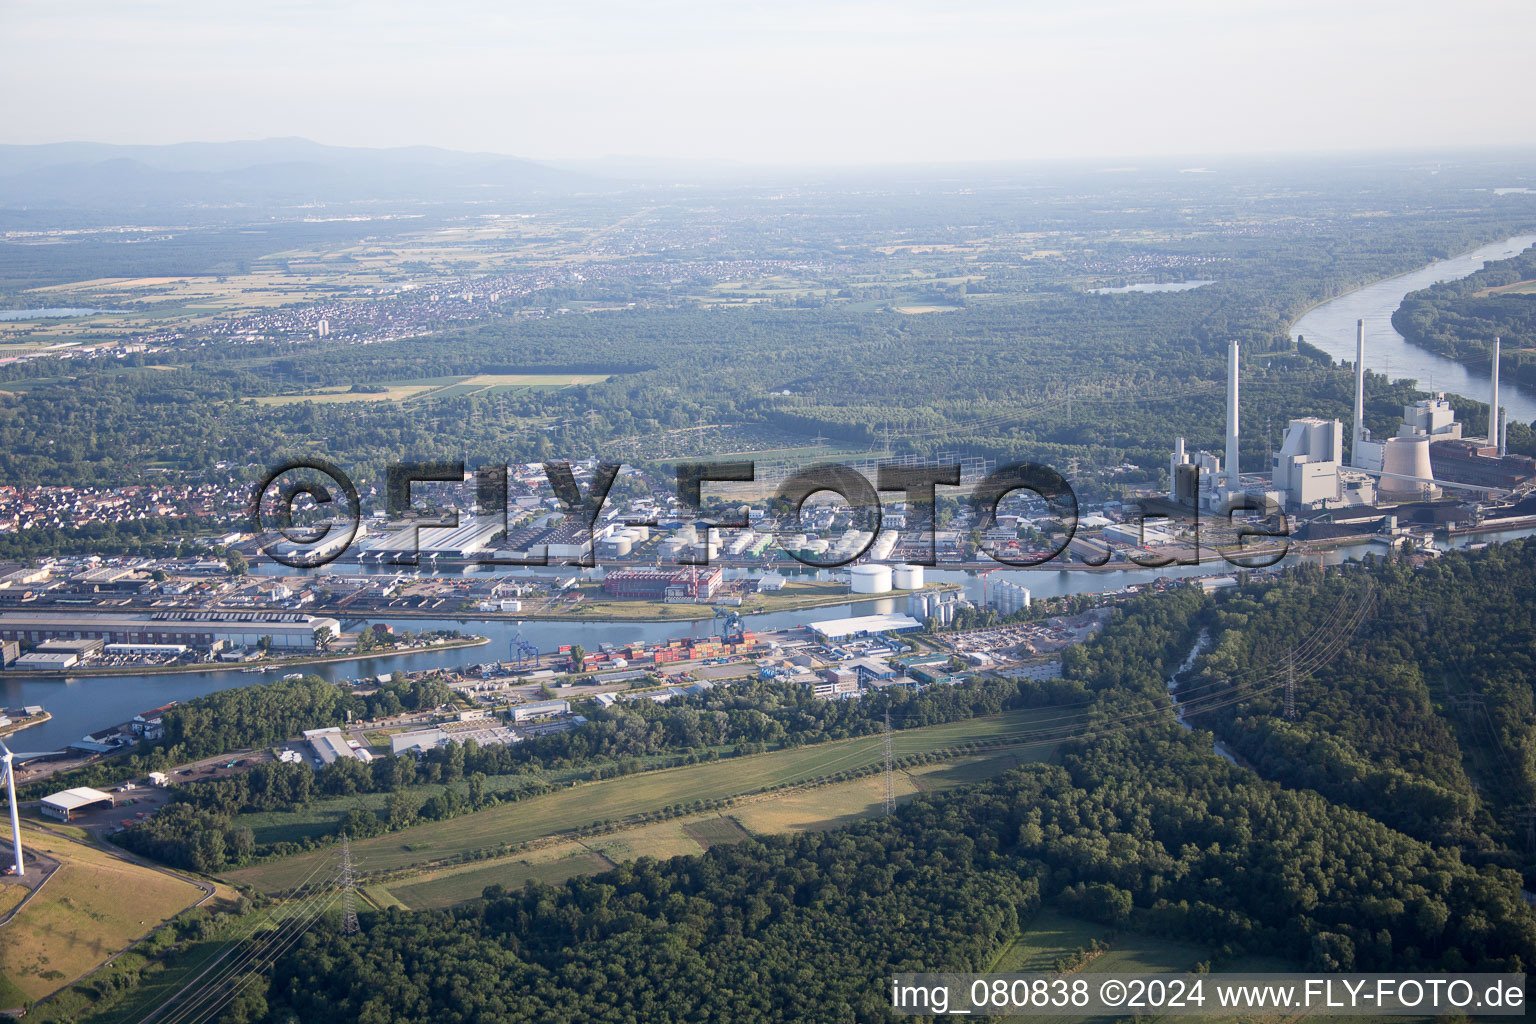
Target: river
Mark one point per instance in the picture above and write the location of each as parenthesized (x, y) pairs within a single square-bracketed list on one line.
[(1331, 327), (96, 702)]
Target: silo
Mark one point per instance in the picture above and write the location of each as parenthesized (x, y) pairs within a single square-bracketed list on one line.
[(871, 579)]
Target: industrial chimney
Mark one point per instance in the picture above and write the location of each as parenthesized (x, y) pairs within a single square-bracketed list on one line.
[(1495, 436), (1359, 435), (1233, 485)]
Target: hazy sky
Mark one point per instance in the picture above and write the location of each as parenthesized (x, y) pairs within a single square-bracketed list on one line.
[(795, 81)]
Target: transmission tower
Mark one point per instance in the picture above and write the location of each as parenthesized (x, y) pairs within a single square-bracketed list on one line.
[(1290, 686), (1527, 816), (890, 782), (349, 925)]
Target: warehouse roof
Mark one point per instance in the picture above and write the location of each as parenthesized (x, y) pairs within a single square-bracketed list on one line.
[(74, 799), (859, 625)]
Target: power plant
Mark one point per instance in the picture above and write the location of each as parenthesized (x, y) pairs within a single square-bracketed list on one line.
[(1309, 473)]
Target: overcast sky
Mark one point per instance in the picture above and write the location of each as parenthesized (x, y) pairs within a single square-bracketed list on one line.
[(782, 81)]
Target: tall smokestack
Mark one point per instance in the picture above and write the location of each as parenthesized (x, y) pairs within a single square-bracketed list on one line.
[(1494, 435), (1359, 435), (1232, 479)]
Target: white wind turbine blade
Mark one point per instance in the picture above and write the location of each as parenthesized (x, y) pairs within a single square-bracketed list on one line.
[(8, 760)]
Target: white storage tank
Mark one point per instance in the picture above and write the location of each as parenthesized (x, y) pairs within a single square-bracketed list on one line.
[(871, 579), (908, 577)]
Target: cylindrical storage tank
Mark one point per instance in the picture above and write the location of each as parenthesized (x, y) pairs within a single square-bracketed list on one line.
[(871, 579), (1405, 469), (817, 545), (621, 546), (908, 577), (917, 606), (641, 532)]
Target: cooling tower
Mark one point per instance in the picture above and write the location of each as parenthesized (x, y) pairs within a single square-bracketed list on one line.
[(1405, 470)]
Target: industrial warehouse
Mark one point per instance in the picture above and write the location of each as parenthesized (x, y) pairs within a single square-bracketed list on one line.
[(286, 630)]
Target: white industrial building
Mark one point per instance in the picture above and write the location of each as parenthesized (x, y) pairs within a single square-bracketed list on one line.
[(416, 741), (864, 625), (473, 534), (288, 630), (1138, 534), (62, 806), (1309, 472), (337, 536), (332, 745), (540, 709)]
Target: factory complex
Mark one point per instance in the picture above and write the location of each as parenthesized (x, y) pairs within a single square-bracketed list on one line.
[(1312, 473)]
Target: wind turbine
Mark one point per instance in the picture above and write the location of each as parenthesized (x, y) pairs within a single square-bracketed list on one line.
[(10, 784)]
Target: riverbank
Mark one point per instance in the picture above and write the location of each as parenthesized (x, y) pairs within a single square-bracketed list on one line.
[(18, 724), (642, 611), (1330, 327), (268, 666)]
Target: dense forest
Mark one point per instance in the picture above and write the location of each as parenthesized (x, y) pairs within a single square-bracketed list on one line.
[(1426, 721), (1460, 319), (1028, 365)]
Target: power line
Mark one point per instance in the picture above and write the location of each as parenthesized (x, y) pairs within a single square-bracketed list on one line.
[(890, 791), (349, 925), (1290, 687)]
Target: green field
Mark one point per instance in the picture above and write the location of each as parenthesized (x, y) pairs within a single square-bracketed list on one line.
[(167, 978), (821, 807), (443, 387), (395, 393), (80, 918), (1052, 936), (587, 804)]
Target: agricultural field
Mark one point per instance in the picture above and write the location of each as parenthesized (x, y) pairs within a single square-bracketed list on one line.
[(1518, 288), (822, 807), (484, 384), (588, 804), (329, 396), (80, 918)]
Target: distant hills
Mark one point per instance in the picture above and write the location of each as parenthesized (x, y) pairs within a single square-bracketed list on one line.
[(265, 172)]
